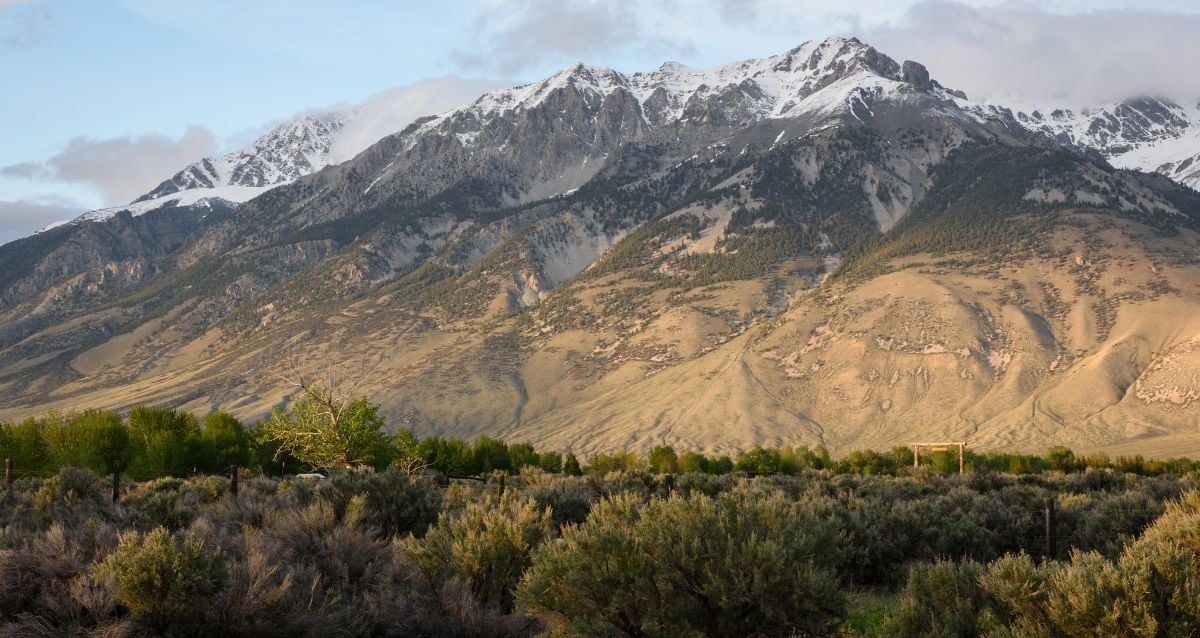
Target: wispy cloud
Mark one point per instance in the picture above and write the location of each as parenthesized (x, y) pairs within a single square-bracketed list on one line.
[(20, 218), (1071, 58), (27, 170), (8, 4), (120, 167), (390, 111), (509, 37), (22, 24)]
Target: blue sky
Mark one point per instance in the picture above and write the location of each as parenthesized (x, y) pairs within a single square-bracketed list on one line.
[(90, 86)]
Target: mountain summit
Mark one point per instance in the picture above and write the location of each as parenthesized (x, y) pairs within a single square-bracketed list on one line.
[(297, 147), (816, 76), (824, 247), (288, 152)]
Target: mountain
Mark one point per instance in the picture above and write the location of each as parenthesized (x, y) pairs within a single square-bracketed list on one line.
[(132, 237), (1149, 134), (821, 247), (301, 146), (288, 152)]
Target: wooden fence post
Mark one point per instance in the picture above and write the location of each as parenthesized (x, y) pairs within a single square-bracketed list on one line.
[(1051, 538), (8, 474), (233, 481), (501, 486), (669, 481), (116, 487)]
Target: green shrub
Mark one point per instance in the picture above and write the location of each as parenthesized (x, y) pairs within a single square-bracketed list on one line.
[(168, 584), (566, 506), (1151, 590), (339, 553), (1162, 570), (1016, 587), (1086, 597), (165, 484), (25, 443), (735, 565), (222, 442), (94, 439), (397, 503), (1105, 522), (165, 509), (571, 466), (72, 486), (939, 600), (487, 546), (323, 429), (662, 459), (551, 462)]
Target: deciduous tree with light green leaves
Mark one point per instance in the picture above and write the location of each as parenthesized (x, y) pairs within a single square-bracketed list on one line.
[(323, 429)]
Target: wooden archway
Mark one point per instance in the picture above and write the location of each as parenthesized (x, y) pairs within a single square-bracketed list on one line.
[(940, 447)]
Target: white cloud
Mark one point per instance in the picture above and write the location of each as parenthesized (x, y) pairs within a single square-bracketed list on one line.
[(513, 36), (27, 170), (1074, 59), (390, 111), (122, 168), (21, 218), (1073, 51)]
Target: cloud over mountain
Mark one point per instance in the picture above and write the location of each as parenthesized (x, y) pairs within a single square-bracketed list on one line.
[(1070, 51), (1076, 59), (120, 167), (18, 218), (510, 37)]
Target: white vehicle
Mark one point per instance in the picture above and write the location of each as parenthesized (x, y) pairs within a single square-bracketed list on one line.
[(311, 475)]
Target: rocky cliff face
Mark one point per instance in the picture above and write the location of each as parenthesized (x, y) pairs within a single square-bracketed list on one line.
[(824, 246)]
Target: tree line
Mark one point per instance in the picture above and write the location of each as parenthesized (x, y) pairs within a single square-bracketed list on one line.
[(322, 430)]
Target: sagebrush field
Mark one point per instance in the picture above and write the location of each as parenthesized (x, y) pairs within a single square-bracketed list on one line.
[(625, 553)]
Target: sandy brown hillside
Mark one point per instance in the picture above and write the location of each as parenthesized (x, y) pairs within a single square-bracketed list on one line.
[(1091, 340), (1090, 344)]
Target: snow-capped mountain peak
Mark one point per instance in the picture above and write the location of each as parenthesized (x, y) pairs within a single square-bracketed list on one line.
[(301, 146), (823, 76), (284, 154), (824, 82), (1145, 133)]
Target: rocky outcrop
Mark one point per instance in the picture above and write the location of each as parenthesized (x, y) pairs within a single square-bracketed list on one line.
[(917, 75)]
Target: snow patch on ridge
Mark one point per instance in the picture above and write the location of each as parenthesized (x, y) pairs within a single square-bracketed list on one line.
[(825, 77), (1147, 134), (232, 194)]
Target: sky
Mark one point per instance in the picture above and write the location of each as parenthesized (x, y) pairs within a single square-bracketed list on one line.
[(103, 99)]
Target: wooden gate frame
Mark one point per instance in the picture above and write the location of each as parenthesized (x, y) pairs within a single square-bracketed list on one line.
[(940, 447)]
